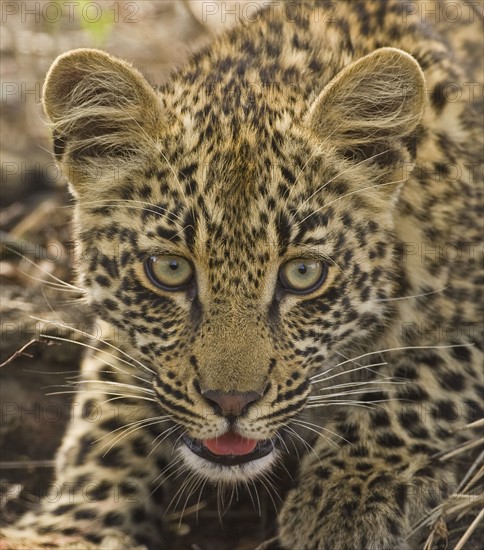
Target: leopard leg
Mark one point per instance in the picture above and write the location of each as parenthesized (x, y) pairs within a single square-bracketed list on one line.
[(381, 476), (109, 467)]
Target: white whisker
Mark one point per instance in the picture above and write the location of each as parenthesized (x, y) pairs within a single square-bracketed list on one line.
[(89, 346), (121, 395), (263, 479), (338, 175), (136, 422), (174, 462), (309, 426), (313, 379), (339, 394), (164, 435), (130, 431), (387, 380), (347, 195), (363, 404), (78, 331), (118, 384), (40, 268), (402, 348), (413, 295), (308, 447)]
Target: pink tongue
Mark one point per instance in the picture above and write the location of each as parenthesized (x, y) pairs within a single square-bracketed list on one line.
[(230, 444)]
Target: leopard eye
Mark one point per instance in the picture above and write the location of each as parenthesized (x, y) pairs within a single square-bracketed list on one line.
[(169, 272), (302, 275)]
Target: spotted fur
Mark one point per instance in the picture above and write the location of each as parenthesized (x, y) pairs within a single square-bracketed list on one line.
[(325, 135)]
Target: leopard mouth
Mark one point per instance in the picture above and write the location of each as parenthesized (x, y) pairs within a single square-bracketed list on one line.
[(229, 449)]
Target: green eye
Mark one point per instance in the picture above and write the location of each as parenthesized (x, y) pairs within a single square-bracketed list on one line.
[(169, 272), (302, 275)]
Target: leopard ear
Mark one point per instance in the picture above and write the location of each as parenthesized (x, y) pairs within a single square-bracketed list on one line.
[(103, 115), (378, 99)]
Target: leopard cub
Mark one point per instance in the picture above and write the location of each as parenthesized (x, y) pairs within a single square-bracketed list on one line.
[(270, 232)]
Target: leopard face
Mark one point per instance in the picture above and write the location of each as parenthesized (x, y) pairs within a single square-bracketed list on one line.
[(237, 258)]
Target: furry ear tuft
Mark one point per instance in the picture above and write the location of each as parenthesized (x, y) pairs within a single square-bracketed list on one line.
[(379, 98), (103, 114)]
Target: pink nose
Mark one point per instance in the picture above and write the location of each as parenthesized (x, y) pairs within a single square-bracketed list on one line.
[(231, 403)]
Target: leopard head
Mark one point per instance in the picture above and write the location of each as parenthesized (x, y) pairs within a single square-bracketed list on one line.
[(241, 238)]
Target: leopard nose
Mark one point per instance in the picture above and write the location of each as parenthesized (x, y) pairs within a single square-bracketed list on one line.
[(231, 403)]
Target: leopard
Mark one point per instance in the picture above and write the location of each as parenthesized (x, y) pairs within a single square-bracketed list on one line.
[(285, 237)]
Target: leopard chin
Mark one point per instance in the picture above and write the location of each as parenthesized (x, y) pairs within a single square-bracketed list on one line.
[(223, 471)]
